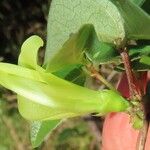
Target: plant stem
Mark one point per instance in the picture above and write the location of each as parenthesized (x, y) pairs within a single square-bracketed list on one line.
[(130, 76), (98, 76), (135, 93)]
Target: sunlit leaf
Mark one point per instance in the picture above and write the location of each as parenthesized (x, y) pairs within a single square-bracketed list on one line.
[(66, 17), (72, 52), (85, 41)]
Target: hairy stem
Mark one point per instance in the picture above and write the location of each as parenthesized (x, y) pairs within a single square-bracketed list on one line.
[(130, 76), (135, 93)]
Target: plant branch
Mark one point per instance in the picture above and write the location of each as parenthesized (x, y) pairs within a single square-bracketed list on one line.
[(134, 91), (135, 94), (98, 76)]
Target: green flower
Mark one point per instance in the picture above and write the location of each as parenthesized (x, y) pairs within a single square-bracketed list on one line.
[(44, 96)]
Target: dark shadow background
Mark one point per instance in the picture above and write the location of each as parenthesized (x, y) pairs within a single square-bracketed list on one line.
[(18, 20)]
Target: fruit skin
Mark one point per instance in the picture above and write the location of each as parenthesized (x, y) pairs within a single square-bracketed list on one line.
[(118, 133)]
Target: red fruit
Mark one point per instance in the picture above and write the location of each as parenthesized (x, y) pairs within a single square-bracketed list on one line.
[(118, 133)]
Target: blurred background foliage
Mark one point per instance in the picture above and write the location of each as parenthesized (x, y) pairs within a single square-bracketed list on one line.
[(18, 20)]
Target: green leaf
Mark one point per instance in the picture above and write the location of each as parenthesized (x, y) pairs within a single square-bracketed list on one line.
[(145, 60), (39, 130), (136, 21), (29, 52), (85, 41), (76, 76), (72, 73), (72, 51), (138, 51), (99, 52), (138, 2), (62, 73), (66, 17)]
